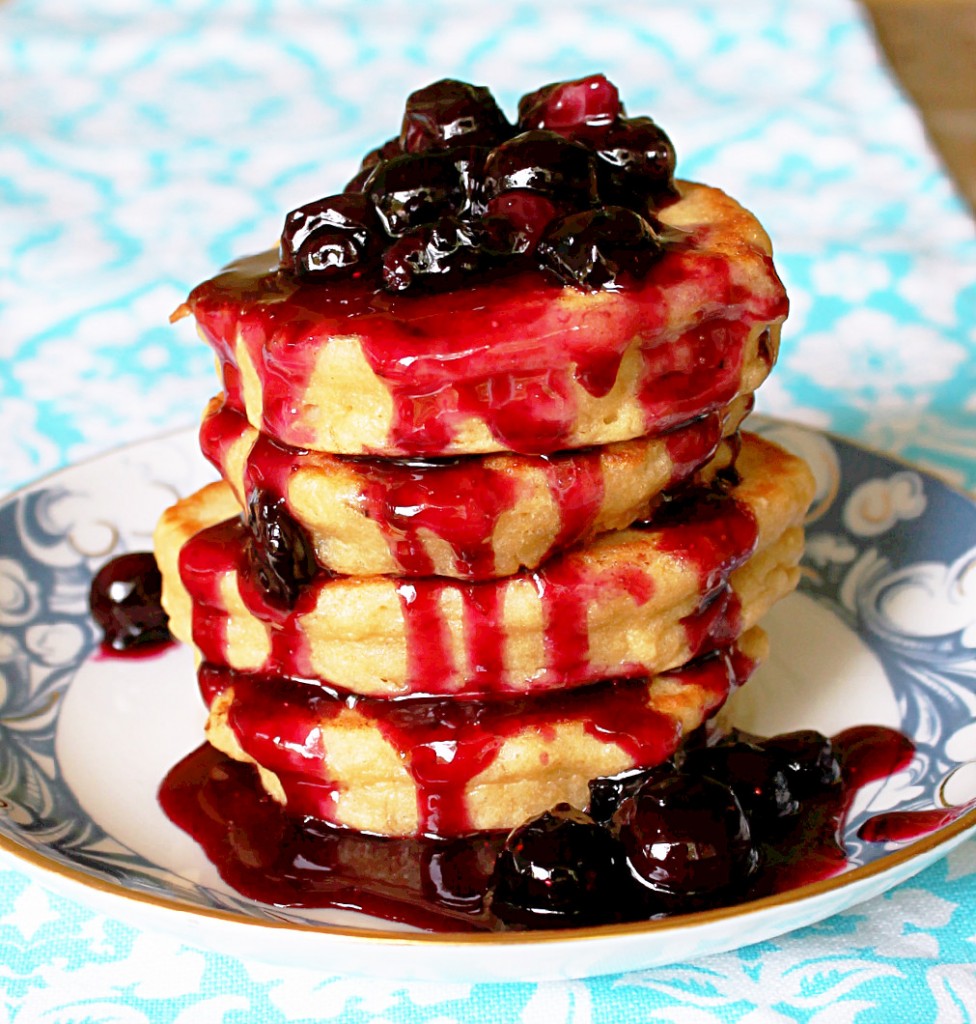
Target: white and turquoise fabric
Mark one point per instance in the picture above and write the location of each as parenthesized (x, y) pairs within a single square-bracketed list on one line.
[(145, 144)]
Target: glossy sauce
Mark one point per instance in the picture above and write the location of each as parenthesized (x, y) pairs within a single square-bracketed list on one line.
[(442, 885), (143, 652), (458, 500), (510, 352), (813, 849), (902, 826), (706, 529), (444, 743)]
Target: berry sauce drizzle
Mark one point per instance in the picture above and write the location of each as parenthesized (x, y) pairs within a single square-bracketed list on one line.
[(901, 826), (866, 754), (486, 351), (443, 885), (459, 501), (267, 855), (708, 530), (444, 742)]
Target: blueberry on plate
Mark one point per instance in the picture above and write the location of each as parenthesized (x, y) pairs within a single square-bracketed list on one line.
[(608, 792), (126, 602), (687, 840), (806, 758), (755, 776), (559, 870)]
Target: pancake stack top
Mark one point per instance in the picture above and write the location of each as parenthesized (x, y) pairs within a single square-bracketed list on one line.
[(487, 526)]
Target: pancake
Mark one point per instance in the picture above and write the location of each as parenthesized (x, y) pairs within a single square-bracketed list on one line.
[(472, 517), (512, 363), (631, 602), (448, 767)]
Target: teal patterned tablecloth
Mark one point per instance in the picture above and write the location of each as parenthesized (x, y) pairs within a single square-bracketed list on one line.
[(145, 144)]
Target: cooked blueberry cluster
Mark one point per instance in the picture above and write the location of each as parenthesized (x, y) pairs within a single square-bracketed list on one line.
[(676, 838), (571, 189)]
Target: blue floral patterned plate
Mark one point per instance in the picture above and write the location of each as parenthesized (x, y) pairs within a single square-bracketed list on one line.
[(882, 631)]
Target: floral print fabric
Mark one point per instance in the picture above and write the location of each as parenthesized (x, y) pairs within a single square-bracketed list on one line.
[(144, 145)]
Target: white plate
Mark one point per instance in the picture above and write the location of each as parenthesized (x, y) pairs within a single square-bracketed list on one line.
[(883, 630)]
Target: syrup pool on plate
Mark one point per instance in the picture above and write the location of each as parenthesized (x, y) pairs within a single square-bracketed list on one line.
[(448, 885)]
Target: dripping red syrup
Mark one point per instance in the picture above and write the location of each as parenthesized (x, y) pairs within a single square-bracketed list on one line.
[(485, 351), (705, 528), (459, 500), (443, 742), (444, 885)]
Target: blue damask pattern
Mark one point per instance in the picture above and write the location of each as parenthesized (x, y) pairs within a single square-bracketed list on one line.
[(145, 144)]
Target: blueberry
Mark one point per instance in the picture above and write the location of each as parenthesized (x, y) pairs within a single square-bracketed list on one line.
[(330, 237), (125, 601), (434, 256), (449, 113), (600, 248), (807, 760), (387, 151), (280, 553), (458, 193), (542, 161), (687, 840), (455, 873), (579, 109), (469, 162), (609, 791), (757, 779), (515, 221), (559, 870), (415, 189), (635, 163)]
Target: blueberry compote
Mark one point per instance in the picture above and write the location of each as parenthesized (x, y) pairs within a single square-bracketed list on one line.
[(674, 839), (462, 191), (503, 273), (125, 601)]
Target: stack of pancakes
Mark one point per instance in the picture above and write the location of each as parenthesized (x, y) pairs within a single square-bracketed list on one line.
[(470, 551)]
